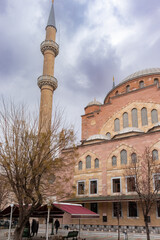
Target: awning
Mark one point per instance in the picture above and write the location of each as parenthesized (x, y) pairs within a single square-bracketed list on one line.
[(76, 210), (43, 212), (6, 212), (56, 211)]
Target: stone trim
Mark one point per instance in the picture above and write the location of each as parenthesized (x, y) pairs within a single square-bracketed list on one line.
[(49, 45), (47, 80), (113, 228)]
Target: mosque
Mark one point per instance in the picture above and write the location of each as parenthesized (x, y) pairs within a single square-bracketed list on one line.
[(115, 134)]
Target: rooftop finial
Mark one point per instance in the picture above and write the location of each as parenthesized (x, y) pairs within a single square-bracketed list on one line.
[(113, 82)]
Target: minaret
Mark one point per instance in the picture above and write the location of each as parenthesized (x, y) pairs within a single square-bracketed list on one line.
[(47, 82)]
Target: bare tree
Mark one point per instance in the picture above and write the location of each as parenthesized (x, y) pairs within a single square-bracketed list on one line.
[(4, 192), (118, 211), (31, 160), (146, 171)]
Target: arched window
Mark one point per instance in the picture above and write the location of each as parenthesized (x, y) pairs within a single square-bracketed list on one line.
[(134, 157), (155, 154), (123, 156), (114, 161), (116, 125), (141, 84), (125, 120), (144, 117), (116, 93), (127, 88), (134, 118), (80, 165), (154, 116), (108, 135), (88, 161), (96, 163), (155, 80)]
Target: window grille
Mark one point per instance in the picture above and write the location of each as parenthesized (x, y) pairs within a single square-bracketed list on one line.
[(141, 84), (116, 125), (117, 209), (94, 207), (127, 88), (123, 156), (134, 118), (88, 162), (114, 161), (81, 187), (144, 116), (154, 116), (93, 187), (125, 120), (155, 154), (132, 209), (131, 187), (134, 157), (96, 163), (116, 185), (80, 165)]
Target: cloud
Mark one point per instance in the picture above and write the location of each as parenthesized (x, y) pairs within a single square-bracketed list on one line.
[(97, 38)]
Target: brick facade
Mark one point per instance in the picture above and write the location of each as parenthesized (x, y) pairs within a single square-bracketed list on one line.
[(99, 121)]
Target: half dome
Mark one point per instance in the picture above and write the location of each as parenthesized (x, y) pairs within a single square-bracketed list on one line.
[(98, 137), (94, 102)]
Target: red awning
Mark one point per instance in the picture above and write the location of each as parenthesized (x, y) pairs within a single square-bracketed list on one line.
[(56, 211), (76, 210), (6, 212)]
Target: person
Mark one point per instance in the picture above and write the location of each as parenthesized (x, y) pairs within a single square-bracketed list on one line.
[(37, 227), (34, 226), (57, 225)]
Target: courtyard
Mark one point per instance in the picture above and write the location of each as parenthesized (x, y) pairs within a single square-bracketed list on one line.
[(90, 235)]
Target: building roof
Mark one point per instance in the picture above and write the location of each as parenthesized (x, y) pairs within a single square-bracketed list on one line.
[(51, 19), (142, 73)]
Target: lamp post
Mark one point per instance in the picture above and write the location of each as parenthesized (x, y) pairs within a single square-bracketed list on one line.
[(49, 208), (10, 222), (52, 232)]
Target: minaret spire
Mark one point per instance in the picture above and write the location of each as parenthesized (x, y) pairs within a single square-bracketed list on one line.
[(47, 82), (51, 19)]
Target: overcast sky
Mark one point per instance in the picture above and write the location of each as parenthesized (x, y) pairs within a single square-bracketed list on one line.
[(97, 38)]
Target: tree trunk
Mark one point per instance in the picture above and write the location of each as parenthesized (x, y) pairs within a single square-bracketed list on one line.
[(18, 233), (147, 228)]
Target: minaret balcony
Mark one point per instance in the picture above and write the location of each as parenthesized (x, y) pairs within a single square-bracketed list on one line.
[(50, 45), (47, 80)]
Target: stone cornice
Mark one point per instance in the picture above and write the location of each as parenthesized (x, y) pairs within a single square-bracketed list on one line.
[(50, 45), (46, 80)]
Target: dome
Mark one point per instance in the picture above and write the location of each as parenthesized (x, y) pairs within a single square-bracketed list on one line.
[(98, 137), (142, 73), (94, 102)]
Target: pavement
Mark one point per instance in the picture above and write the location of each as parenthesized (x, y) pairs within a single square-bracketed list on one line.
[(88, 235)]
